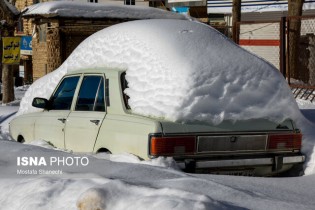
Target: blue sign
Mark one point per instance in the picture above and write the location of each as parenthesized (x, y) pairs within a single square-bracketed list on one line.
[(26, 45), (182, 10)]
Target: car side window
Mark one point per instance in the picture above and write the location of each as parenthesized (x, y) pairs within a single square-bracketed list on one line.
[(91, 94), (124, 85), (62, 99)]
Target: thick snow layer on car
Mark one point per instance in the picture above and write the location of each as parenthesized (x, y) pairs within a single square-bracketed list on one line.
[(181, 71)]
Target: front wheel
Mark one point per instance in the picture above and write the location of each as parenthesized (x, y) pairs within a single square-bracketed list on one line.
[(21, 139)]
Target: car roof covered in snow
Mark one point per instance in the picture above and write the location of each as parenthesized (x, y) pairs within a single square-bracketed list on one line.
[(183, 71)]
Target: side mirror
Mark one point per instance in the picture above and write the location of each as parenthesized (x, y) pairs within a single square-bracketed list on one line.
[(41, 103)]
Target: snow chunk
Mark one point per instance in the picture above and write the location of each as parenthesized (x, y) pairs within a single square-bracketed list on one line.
[(118, 195), (42, 143), (180, 71), (165, 162)]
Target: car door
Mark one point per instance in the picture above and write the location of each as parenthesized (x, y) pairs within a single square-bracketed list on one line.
[(50, 124), (83, 123)]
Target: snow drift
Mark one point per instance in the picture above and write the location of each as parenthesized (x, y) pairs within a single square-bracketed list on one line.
[(181, 71), (110, 185)]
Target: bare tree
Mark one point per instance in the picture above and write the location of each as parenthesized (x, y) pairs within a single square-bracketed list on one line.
[(8, 19), (294, 30)]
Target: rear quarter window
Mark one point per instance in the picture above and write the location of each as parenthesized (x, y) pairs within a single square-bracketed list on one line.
[(124, 86)]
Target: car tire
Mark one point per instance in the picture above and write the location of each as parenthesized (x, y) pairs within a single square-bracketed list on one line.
[(295, 171), (20, 139), (103, 150)]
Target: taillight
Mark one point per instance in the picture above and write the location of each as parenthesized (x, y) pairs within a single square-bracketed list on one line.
[(285, 141), (166, 146)]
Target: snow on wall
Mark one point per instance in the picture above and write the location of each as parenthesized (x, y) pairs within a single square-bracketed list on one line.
[(181, 71), (88, 10), (12, 8)]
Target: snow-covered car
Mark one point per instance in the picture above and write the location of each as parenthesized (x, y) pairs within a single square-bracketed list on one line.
[(89, 112), (176, 96)]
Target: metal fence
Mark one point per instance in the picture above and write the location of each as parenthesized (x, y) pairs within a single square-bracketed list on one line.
[(275, 42), (301, 67)]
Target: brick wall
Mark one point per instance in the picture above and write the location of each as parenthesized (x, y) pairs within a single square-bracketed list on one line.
[(39, 57), (53, 46), (27, 24), (21, 4)]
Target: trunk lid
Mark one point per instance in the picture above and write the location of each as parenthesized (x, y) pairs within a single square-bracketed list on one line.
[(245, 126)]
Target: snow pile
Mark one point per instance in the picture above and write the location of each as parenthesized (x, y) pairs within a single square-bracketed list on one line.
[(42, 143), (111, 185), (7, 113), (166, 162), (118, 195), (181, 71), (97, 11), (307, 123)]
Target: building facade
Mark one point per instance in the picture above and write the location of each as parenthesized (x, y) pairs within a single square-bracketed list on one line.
[(54, 38)]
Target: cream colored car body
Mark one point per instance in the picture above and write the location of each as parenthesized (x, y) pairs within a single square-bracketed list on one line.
[(118, 131), (241, 146)]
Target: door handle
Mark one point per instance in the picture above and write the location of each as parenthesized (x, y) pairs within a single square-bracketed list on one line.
[(96, 122), (63, 120)]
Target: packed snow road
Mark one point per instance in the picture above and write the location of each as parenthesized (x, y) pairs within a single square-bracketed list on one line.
[(139, 185)]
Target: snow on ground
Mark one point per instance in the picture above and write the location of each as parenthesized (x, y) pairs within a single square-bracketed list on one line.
[(117, 185), (8, 111), (306, 123)]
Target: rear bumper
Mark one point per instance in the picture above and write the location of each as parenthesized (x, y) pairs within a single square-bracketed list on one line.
[(276, 163)]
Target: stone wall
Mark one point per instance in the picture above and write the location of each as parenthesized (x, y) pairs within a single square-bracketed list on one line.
[(21, 4)]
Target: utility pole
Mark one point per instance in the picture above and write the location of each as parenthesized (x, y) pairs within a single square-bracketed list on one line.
[(294, 30), (236, 17)]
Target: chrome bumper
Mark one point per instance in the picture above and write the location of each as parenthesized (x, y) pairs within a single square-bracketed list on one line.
[(270, 161)]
